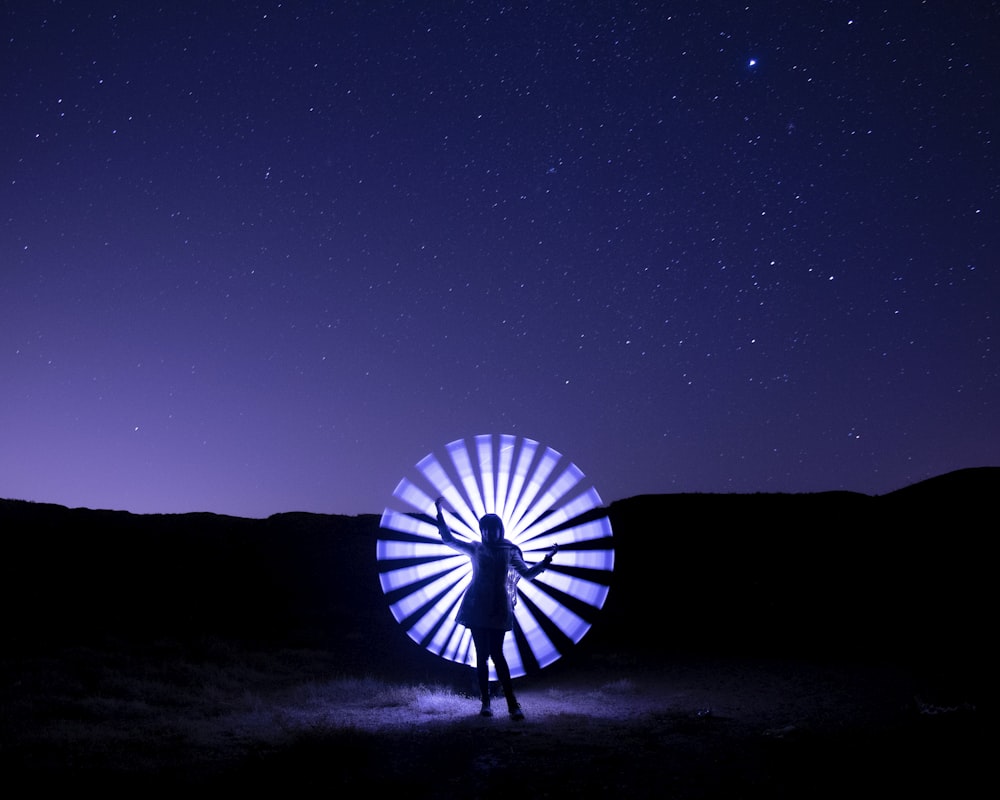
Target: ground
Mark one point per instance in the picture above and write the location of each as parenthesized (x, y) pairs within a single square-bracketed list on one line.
[(218, 716)]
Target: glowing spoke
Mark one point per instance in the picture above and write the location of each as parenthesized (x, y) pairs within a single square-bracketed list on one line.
[(427, 622), (506, 457), (588, 559), (572, 625), (541, 647), (407, 576), (404, 524), (484, 451), (417, 599), (570, 511), (593, 594), (397, 550)]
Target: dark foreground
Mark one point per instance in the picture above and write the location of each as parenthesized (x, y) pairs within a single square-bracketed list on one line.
[(751, 646), (212, 716)]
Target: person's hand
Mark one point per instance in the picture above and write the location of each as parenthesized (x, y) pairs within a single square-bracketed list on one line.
[(438, 503), (551, 554)]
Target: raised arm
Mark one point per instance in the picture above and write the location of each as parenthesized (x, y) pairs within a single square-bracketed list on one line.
[(446, 535)]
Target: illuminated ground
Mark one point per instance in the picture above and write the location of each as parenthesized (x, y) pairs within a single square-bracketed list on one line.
[(216, 716)]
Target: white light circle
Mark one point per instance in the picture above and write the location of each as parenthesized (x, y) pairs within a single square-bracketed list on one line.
[(543, 499)]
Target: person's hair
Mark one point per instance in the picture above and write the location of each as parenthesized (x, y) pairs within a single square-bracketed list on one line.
[(491, 522)]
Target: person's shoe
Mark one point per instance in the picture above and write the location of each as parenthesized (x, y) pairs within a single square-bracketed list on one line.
[(516, 713), (486, 711)]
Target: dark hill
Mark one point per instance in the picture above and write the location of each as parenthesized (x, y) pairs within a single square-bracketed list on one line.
[(899, 576)]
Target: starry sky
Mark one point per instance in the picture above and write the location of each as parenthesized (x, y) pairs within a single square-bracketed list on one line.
[(259, 257)]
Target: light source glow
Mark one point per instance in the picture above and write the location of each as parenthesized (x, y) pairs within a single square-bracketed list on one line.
[(543, 499)]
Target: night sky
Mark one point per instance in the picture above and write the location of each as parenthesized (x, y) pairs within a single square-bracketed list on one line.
[(264, 257)]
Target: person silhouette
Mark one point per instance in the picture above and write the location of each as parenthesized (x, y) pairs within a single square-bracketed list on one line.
[(487, 608)]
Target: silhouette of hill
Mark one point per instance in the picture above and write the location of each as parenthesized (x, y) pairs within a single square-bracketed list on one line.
[(835, 573), (960, 486)]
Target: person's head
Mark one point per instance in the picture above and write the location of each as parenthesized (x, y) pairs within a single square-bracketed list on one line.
[(491, 528)]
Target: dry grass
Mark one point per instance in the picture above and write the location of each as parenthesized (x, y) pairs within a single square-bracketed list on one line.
[(213, 714)]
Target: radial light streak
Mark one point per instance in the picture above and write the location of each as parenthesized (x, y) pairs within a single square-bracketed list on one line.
[(543, 499)]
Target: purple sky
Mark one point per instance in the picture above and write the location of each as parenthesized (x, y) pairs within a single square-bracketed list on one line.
[(264, 257)]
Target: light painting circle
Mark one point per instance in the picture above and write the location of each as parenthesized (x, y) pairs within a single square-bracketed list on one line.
[(543, 500)]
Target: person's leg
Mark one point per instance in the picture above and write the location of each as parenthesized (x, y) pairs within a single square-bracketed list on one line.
[(503, 672), (481, 639)]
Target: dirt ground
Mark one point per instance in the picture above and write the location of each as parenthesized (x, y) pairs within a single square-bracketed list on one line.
[(607, 725), (695, 729)]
